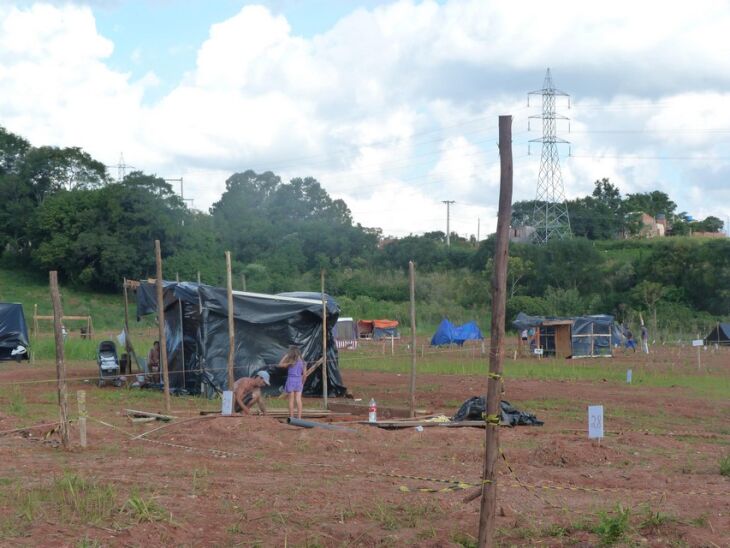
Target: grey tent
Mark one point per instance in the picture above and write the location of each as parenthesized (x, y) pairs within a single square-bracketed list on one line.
[(196, 331), (719, 335), (13, 332)]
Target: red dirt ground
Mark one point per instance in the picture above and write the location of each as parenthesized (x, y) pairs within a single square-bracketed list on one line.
[(272, 484)]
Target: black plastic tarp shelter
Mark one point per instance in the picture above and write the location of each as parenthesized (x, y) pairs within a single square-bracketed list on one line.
[(264, 325), (13, 330), (590, 336), (719, 335)]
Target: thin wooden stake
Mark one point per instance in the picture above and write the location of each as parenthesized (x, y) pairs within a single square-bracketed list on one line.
[(243, 282), (60, 365), (81, 400), (126, 328), (488, 514), (325, 387), (198, 277), (412, 280), (231, 330), (161, 326)]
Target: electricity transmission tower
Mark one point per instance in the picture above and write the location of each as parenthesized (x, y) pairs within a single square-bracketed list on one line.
[(550, 217), (448, 221)]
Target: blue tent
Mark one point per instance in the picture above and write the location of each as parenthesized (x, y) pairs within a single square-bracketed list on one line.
[(448, 333)]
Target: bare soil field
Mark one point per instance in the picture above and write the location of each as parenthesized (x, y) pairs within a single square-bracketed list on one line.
[(254, 481)]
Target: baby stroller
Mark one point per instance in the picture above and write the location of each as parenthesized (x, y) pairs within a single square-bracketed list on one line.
[(106, 357)]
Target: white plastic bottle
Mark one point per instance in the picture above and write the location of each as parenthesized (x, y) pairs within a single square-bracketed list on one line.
[(373, 411)]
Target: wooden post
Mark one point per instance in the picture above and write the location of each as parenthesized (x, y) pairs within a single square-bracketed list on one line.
[(60, 365), (488, 514), (231, 331), (325, 386), (81, 400), (35, 321), (243, 282), (161, 326), (198, 277), (699, 355), (126, 328), (182, 333), (392, 345), (412, 279)]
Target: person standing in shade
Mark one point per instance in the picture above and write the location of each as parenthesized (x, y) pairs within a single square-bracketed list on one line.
[(296, 375), (645, 338)]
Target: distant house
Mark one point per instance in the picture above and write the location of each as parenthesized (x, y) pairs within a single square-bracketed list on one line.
[(521, 234), (653, 227)]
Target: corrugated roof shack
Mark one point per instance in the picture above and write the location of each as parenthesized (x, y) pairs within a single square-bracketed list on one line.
[(196, 328), (576, 337)]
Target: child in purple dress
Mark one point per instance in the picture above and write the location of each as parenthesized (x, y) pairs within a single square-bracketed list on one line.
[(296, 374)]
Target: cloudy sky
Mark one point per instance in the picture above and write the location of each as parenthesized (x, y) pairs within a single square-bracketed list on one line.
[(392, 106)]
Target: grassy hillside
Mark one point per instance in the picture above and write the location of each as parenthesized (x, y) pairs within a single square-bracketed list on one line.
[(29, 288)]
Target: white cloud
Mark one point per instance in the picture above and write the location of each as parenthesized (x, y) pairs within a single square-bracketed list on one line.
[(393, 108)]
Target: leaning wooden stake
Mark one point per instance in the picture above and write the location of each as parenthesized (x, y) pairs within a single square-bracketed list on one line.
[(231, 332), (60, 365), (412, 280), (126, 328), (81, 400), (325, 388), (161, 326), (488, 515)]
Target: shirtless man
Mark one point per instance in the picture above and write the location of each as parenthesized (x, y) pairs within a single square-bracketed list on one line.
[(247, 391)]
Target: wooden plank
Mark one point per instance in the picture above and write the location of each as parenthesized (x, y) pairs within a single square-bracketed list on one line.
[(137, 413), (383, 412)]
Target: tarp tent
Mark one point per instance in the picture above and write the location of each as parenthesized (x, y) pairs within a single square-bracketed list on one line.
[(448, 333), (719, 335), (196, 326), (378, 329), (13, 331), (577, 337), (345, 333)]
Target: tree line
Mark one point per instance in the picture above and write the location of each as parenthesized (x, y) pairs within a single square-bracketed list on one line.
[(59, 209)]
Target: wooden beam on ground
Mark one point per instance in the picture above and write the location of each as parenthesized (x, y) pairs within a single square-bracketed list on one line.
[(488, 507), (157, 416), (161, 326), (60, 365), (383, 412)]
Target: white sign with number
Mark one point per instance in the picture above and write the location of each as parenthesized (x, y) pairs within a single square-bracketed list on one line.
[(538, 351), (698, 342), (227, 403), (595, 421)]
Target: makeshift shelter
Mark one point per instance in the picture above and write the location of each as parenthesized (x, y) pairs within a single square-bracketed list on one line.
[(576, 337), (345, 333), (448, 333), (719, 335), (13, 332), (196, 331), (378, 329)]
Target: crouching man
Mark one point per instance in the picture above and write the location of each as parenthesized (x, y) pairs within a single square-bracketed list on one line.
[(247, 392)]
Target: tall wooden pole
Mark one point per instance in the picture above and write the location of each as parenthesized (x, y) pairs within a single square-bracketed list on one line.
[(161, 326), (243, 282), (325, 388), (60, 365), (412, 279), (488, 514), (231, 332), (198, 277), (126, 328), (182, 333)]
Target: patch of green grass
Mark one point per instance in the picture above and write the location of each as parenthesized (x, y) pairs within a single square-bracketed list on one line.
[(88, 542), (725, 466), (17, 404), (699, 521), (613, 527), (146, 510), (464, 539), (653, 521)]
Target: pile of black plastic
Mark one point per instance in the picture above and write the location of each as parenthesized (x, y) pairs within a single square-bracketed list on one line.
[(474, 409)]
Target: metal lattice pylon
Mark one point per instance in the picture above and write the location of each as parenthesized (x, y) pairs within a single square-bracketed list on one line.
[(550, 217)]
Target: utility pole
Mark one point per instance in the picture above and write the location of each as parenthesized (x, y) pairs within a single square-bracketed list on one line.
[(550, 216), (479, 225), (448, 220)]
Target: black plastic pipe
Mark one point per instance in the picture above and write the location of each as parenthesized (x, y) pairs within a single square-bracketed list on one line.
[(312, 424)]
